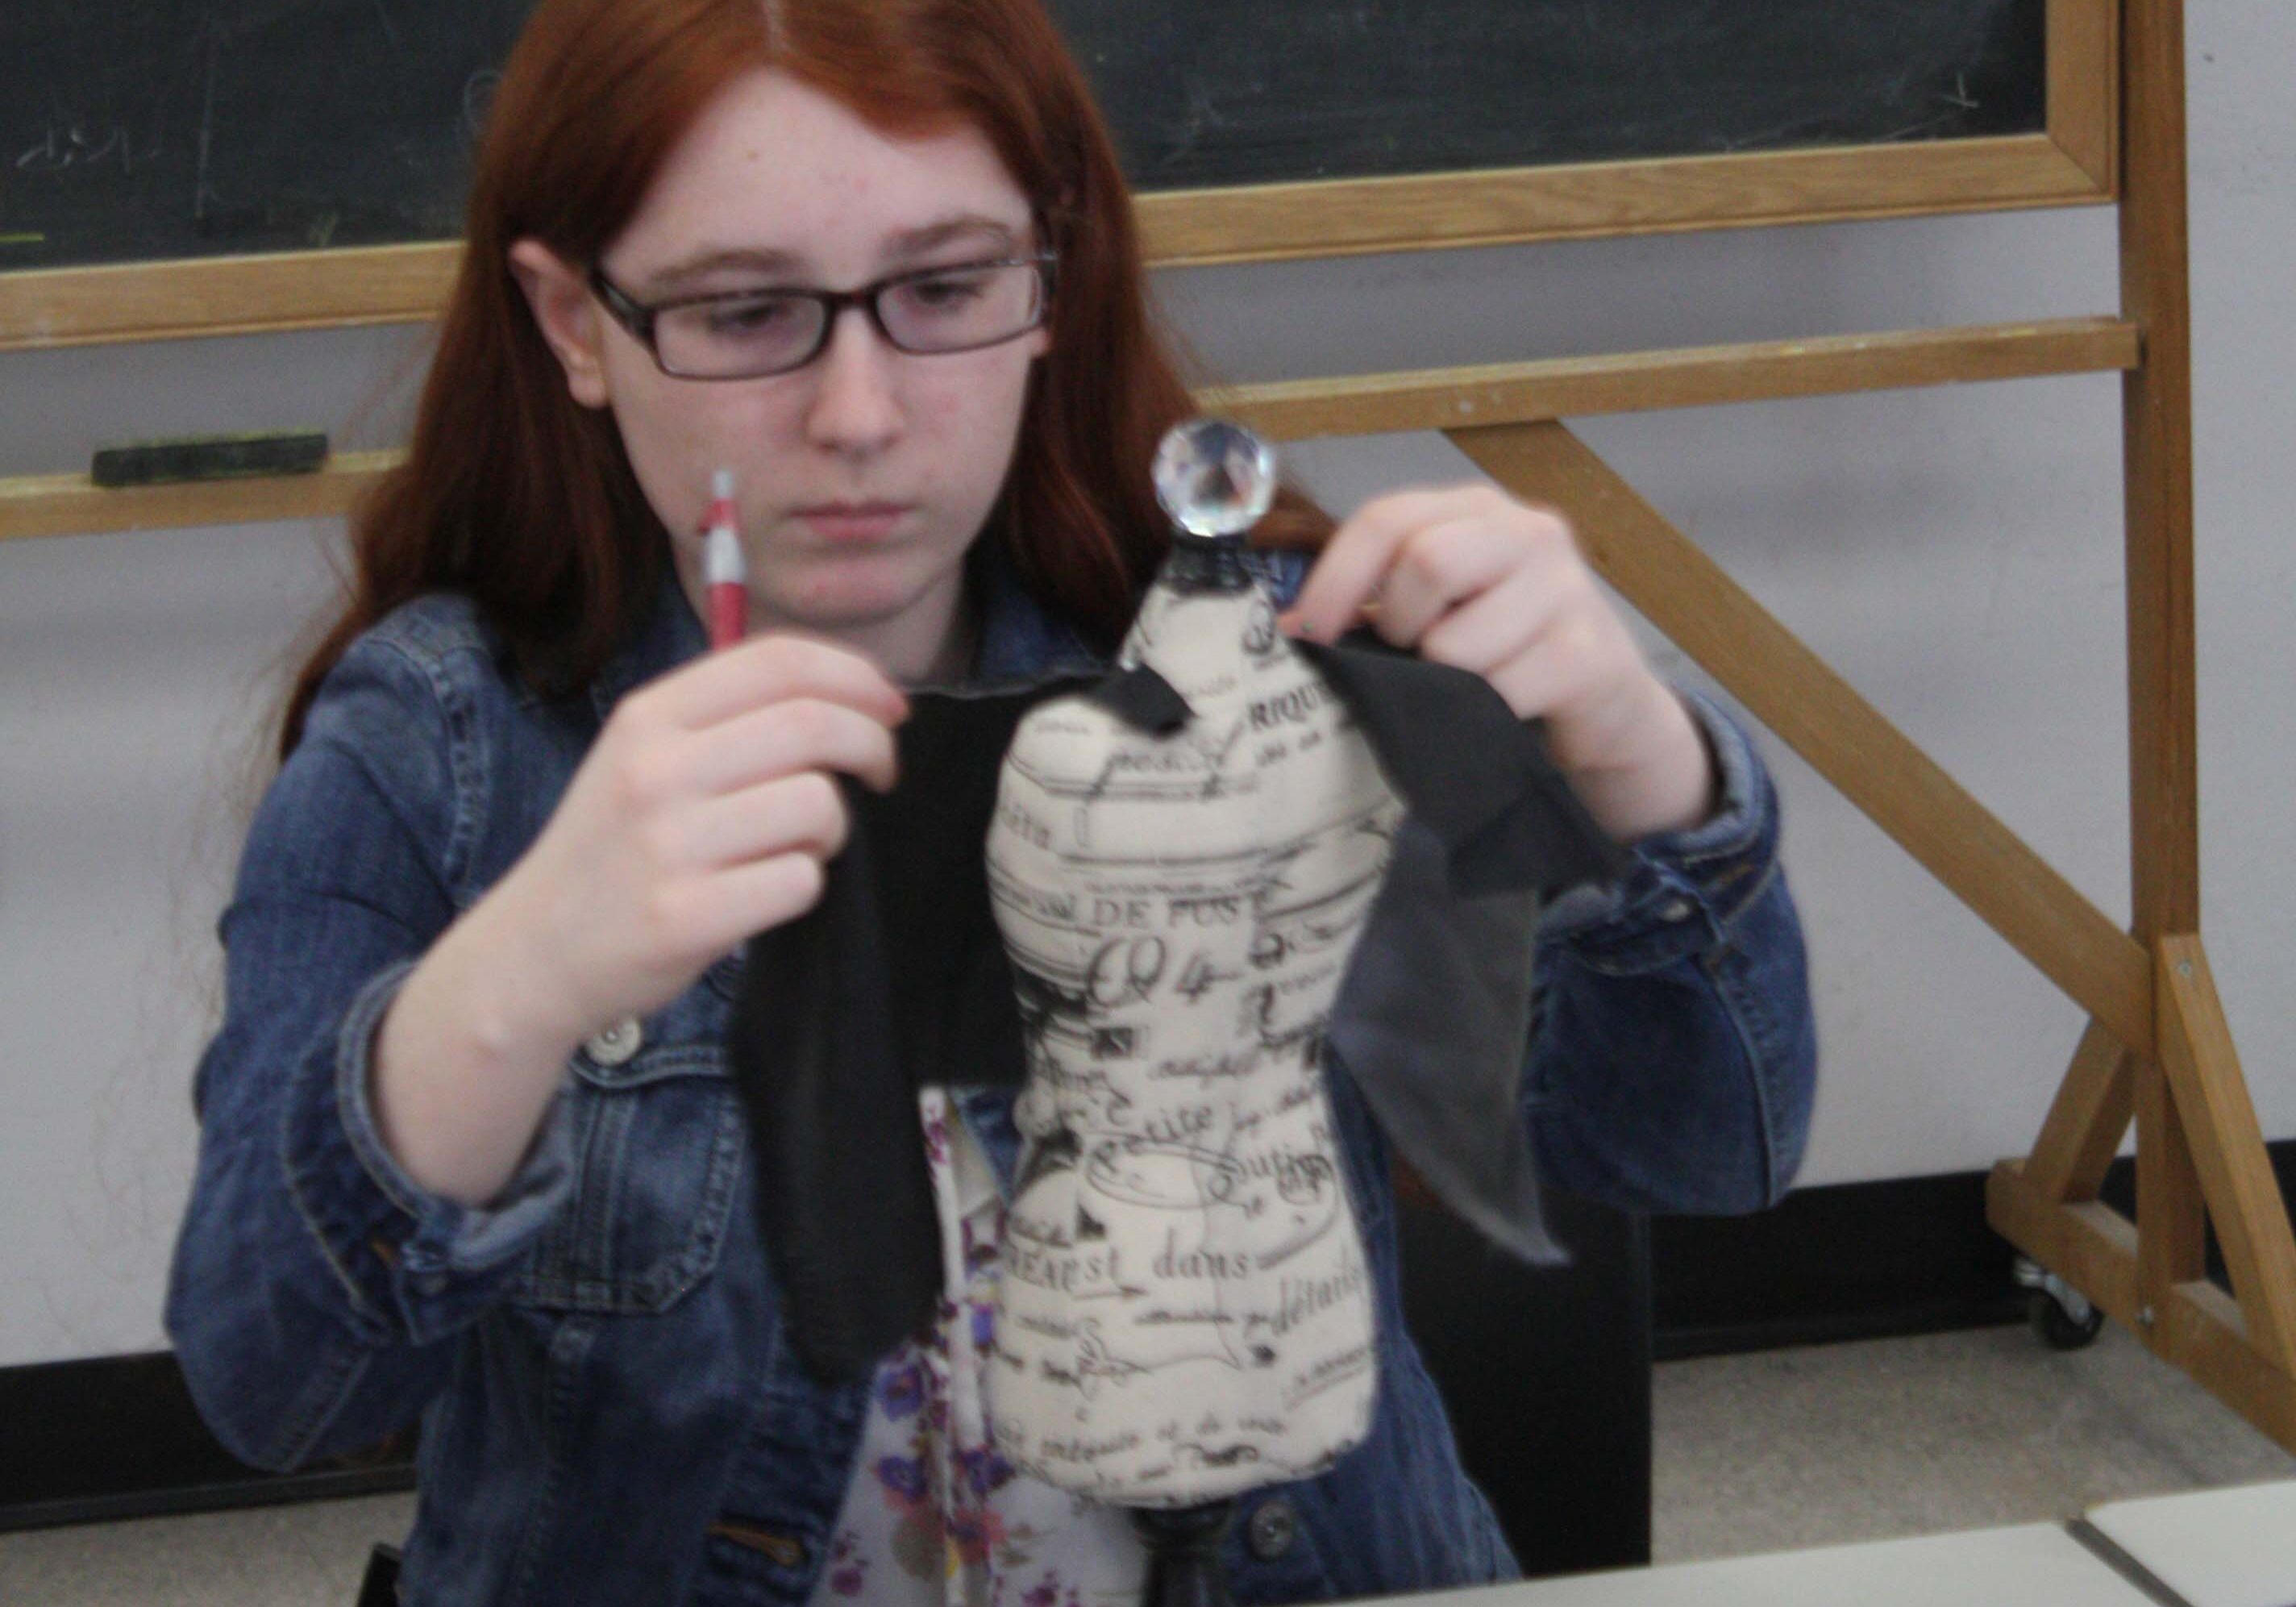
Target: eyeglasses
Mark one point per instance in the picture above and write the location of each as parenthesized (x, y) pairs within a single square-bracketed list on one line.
[(752, 334)]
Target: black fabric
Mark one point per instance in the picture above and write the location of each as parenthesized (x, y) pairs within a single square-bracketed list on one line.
[(1435, 1013), (1472, 772), (1432, 1021), (1144, 700), (841, 1183), (1545, 1376), (896, 979), (379, 1586)]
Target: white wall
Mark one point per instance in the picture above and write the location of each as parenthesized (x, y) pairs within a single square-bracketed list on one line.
[(1954, 553)]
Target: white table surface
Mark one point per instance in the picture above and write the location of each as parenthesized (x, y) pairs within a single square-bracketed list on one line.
[(2031, 1565), (2232, 1547)]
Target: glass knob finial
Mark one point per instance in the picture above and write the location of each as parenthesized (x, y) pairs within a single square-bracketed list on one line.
[(1214, 478)]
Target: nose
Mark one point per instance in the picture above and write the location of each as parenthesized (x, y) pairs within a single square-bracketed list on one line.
[(855, 410)]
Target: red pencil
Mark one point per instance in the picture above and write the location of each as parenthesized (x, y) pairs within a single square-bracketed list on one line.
[(724, 577)]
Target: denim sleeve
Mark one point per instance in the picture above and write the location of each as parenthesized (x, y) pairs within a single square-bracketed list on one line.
[(312, 1283), (1673, 1065)]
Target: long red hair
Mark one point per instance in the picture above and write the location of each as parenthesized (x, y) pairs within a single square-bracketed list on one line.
[(516, 495)]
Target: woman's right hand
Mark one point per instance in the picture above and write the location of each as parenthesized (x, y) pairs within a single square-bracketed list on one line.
[(703, 813)]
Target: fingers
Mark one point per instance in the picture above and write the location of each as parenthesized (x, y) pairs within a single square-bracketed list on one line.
[(803, 734), (1445, 565), (745, 900), (770, 669), (1354, 564), (1494, 628), (1473, 579), (801, 813), (1556, 672), (768, 707), (1415, 555), (722, 868), (773, 891)]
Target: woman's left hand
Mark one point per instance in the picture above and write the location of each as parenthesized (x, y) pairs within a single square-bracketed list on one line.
[(1470, 577)]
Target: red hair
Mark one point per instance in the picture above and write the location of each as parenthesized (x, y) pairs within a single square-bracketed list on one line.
[(515, 494)]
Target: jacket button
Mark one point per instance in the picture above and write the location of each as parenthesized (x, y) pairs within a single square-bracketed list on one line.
[(617, 1043), (1270, 1532), (1676, 911)]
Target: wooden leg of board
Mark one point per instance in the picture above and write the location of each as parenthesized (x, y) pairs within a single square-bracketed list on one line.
[(2217, 1118), (2201, 1158), (2157, 469), (2093, 1109), (2172, 1219), (2195, 1327), (2201, 1333), (2088, 1244)]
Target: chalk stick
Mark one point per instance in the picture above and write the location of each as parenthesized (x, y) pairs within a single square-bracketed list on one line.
[(207, 457)]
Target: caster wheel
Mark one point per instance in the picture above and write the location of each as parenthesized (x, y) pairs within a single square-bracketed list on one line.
[(2060, 1329)]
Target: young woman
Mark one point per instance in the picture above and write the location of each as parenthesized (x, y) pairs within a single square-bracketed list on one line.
[(469, 1151)]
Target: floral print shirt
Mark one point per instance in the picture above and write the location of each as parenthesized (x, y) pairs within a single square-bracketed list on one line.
[(934, 1515)]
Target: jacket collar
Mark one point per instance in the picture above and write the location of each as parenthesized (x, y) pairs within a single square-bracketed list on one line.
[(1019, 640), (669, 635)]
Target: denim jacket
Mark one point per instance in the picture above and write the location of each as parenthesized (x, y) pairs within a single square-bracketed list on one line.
[(610, 1411)]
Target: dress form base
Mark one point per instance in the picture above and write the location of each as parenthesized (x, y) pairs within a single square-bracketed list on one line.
[(1185, 1567)]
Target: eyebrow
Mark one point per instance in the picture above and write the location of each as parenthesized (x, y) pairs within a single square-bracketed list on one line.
[(912, 243), (908, 243)]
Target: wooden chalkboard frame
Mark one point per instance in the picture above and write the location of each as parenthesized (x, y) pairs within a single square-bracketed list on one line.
[(2073, 162)]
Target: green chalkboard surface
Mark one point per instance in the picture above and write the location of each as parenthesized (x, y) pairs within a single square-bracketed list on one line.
[(139, 130)]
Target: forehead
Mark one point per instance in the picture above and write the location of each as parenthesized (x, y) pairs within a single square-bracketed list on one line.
[(776, 166)]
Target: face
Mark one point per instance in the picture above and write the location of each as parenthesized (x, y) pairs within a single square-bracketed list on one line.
[(864, 476)]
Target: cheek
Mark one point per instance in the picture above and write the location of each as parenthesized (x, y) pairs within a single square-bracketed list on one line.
[(676, 435), (981, 410)]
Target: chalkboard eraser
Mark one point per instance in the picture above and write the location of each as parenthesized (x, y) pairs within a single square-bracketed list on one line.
[(207, 457)]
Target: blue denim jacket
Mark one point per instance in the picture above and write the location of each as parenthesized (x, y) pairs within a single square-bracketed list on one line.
[(610, 1412)]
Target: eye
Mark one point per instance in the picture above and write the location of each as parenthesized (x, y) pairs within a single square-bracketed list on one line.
[(748, 317), (949, 291)]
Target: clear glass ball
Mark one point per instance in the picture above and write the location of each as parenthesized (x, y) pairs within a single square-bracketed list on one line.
[(1215, 477)]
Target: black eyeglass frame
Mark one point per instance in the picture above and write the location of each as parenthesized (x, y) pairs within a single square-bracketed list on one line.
[(639, 317)]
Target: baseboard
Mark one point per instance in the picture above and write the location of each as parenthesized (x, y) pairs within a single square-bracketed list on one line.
[(1858, 1261), (1851, 1261), (116, 1436)]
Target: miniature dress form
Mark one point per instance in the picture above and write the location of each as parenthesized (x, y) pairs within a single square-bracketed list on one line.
[(1185, 1312), (1136, 914)]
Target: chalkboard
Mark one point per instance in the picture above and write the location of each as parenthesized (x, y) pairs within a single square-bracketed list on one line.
[(138, 130)]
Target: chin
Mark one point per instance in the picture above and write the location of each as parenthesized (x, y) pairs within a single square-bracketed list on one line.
[(857, 593)]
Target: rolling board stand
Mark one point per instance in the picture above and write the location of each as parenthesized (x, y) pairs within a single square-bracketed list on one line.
[(2173, 1069)]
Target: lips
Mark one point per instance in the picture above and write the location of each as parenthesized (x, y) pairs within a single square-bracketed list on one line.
[(853, 521)]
